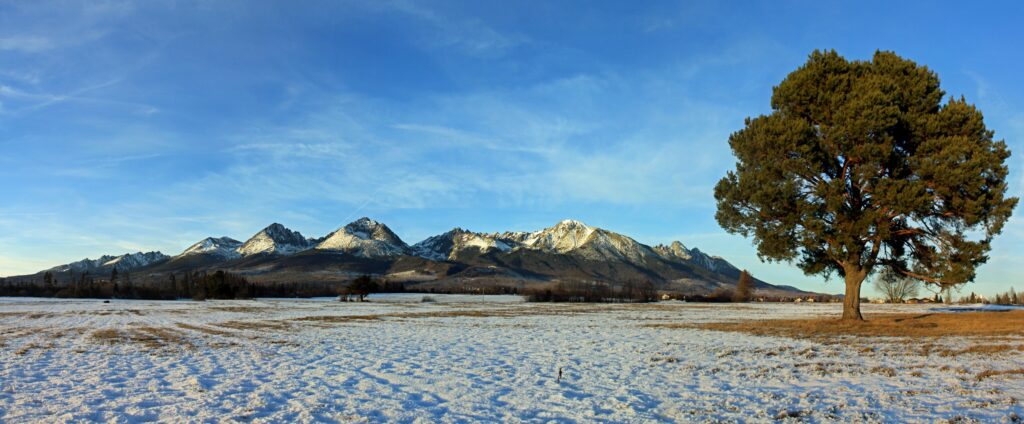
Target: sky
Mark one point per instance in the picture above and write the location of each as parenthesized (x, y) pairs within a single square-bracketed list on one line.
[(128, 126)]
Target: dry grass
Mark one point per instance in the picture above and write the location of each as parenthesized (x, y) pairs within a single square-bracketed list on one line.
[(987, 374), (339, 318), (9, 334), (903, 325), (28, 347), (205, 330), (984, 350), (455, 313), (107, 312), (29, 315), (37, 338), (239, 309), (414, 315), (255, 325), (154, 338), (886, 371)]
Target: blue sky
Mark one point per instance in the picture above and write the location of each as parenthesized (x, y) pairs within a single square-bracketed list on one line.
[(131, 126)]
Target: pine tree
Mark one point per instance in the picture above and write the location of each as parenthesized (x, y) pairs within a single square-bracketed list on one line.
[(859, 166), (744, 288), (48, 280)]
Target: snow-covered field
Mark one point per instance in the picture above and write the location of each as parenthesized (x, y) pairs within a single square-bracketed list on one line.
[(472, 358)]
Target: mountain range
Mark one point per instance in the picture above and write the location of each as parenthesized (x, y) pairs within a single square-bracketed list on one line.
[(458, 260)]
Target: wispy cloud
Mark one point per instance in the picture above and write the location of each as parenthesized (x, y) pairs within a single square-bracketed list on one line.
[(28, 44), (481, 148), (466, 34)]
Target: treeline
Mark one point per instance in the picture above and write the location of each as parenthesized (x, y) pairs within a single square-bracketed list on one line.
[(724, 296), (743, 292), (595, 292), (196, 285), (188, 285), (1010, 297), (488, 290)]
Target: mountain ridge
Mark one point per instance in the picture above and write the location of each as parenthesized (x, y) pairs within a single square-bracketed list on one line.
[(570, 249)]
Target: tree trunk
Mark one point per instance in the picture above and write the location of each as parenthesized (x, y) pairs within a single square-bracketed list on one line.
[(851, 303)]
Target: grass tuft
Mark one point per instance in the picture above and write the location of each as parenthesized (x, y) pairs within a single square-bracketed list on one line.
[(903, 325)]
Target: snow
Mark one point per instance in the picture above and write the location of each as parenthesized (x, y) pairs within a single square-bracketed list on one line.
[(366, 238), (125, 262), (472, 359), (450, 244), (579, 238), (275, 239), (225, 247)]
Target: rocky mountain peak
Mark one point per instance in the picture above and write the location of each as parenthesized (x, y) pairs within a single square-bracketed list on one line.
[(674, 251), (220, 246), (366, 238), (274, 239)]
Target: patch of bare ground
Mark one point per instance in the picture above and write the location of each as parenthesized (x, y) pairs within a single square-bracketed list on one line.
[(204, 330), (982, 324), (452, 313), (255, 325), (339, 318), (28, 315), (984, 349), (105, 312), (153, 338), (992, 373), (8, 334), (28, 347), (886, 371), (409, 315), (38, 339), (239, 309)]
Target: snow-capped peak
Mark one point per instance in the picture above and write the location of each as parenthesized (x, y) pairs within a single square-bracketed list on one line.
[(448, 245), (565, 236), (572, 223), (222, 246), (135, 260), (366, 238), (275, 239), (586, 241), (125, 262)]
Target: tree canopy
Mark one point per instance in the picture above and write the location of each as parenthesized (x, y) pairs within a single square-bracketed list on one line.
[(362, 286), (861, 165)]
